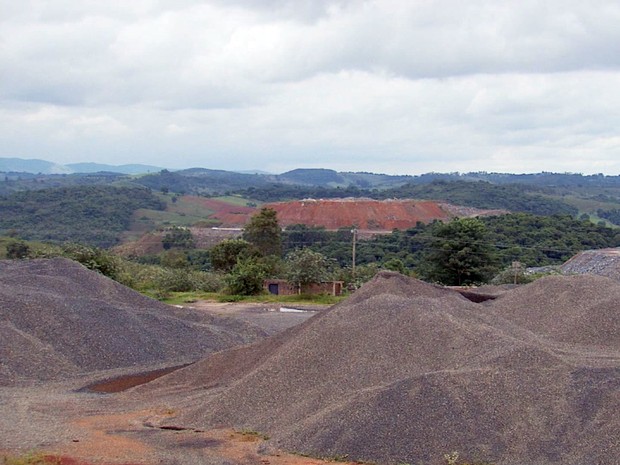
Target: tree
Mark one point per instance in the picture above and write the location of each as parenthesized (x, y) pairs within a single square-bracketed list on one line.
[(95, 259), (305, 266), (263, 230), (246, 277), (395, 264), (177, 237), (225, 255), (460, 253), (174, 258)]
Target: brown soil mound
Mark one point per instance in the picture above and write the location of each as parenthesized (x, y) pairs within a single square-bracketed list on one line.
[(57, 319), (407, 372), (365, 214)]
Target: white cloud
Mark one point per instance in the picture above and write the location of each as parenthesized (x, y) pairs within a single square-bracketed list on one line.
[(384, 85)]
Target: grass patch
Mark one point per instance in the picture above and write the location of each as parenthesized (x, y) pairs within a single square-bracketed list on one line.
[(321, 299), (184, 298), (238, 200), (35, 246)]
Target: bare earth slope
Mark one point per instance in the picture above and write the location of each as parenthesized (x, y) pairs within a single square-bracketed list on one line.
[(366, 214), (405, 372), (58, 319)]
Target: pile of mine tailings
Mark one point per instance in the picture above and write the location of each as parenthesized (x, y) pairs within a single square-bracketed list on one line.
[(59, 319), (406, 372)]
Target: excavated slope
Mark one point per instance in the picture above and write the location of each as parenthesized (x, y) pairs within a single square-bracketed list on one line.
[(58, 319), (366, 214), (404, 372)]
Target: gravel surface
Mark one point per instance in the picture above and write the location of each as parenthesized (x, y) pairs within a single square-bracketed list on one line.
[(405, 372), (267, 316), (58, 319), (602, 262), (401, 372)]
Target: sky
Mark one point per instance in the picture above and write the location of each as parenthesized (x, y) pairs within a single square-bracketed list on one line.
[(388, 86)]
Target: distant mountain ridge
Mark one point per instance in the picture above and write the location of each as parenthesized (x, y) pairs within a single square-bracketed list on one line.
[(37, 166), (34, 166), (123, 169), (316, 177)]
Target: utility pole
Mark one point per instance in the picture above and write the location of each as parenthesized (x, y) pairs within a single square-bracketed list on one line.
[(516, 268), (354, 231)]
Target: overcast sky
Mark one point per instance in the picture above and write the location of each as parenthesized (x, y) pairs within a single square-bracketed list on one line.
[(391, 86)]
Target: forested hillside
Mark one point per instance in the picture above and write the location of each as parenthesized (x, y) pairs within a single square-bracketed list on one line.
[(481, 194), (531, 239), (93, 215), (17, 182), (200, 181)]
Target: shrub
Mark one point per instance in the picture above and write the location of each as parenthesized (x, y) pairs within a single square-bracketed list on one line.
[(17, 250), (246, 278)]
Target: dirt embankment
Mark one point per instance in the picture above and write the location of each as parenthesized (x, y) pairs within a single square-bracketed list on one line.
[(367, 214)]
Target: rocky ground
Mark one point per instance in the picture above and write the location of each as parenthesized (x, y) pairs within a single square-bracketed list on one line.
[(80, 427), (400, 372)]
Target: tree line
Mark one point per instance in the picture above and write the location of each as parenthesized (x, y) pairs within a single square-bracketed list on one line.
[(92, 215)]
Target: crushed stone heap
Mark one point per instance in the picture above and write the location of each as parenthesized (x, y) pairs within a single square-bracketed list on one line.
[(59, 319), (602, 262), (405, 372)]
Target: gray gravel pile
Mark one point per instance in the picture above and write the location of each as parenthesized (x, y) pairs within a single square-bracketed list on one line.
[(59, 319), (582, 309), (602, 262), (405, 372)]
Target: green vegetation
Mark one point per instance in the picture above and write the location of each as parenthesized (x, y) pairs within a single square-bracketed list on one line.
[(280, 192), (512, 197), (304, 267), (236, 200), (84, 211), (460, 254), (263, 231), (480, 194), (225, 255), (93, 215), (613, 215), (200, 181), (153, 280), (530, 239), (178, 238), (246, 277), (17, 250)]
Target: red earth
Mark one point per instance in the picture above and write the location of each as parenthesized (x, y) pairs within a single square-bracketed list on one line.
[(365, 214)]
